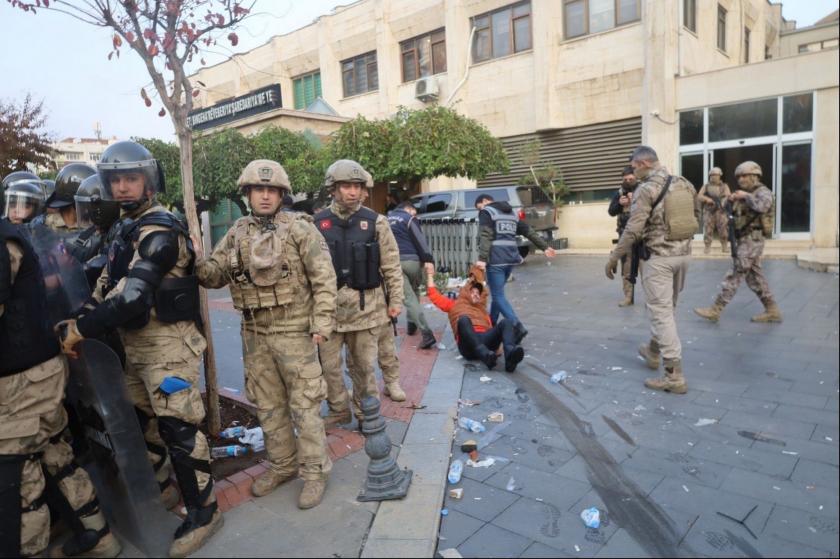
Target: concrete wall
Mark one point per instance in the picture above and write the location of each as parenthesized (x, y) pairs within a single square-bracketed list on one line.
[(790, 41), (586, 225), (825, 180)]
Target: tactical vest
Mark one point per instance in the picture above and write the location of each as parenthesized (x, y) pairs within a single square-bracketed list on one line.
[(399, 221), (503, 251), (748, 220), (26, 337), (83, 244), (353, 247), (262, 276), (715, 191), (176, 299)]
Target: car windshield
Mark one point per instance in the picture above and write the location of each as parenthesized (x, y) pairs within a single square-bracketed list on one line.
[(498, 194)]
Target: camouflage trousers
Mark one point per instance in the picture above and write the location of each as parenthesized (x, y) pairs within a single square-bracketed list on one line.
[(746, 267), (283, 379), (146, 366), (663, 278), (386, 347), (33, 418), (714, 221), (361, 348), (626, 286)]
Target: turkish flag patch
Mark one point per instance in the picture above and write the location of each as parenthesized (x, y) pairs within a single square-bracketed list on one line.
[(326, 224), (363, 225)]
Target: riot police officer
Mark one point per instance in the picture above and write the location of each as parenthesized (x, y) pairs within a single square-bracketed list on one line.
[(282, 281), (370, 291), (24, 200), (149, 293), (82, 243), (753, 214), (620, 209), (95, 217), (33, 453)]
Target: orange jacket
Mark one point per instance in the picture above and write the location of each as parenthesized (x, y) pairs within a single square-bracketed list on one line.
[(462, 306)]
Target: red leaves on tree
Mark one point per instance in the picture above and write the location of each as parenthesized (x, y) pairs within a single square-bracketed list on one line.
[(162, 112), (195, 93), (233, 38), (117, 41), (240, 11), (153, 50), (145, 97), (129, 36)]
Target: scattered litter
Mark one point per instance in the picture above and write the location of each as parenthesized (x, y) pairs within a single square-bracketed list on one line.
[(558, 377), (450, 553), (486, 463), (511, 484), (441, 346), (577, 548), (459, 357), (821, 507), (474, 455), (640, 407), (484, 378), (686, 489), (814, 530), (468, 403), (496, 417), (790, 452), (829, 439), (428, 306), (417, 407), (456, 493), (591, 517), (476, 498), (471, 425), (703, 421), (229, 389), (469, 446), (444, 512), (539, 499), (777, 488), (455, 471), (616, 368)]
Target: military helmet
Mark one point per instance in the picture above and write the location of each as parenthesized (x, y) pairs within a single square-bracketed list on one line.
[(748, 168), (92, 208), (346, 170), (67, 183), (264, 172), (23, 198), (49, 187), (19, 176), (130, 157), (715, 171)]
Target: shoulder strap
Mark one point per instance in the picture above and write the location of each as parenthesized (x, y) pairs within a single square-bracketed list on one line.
[(662, 194)]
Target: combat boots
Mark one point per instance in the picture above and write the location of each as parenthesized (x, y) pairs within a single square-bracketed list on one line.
[(428, 340), (650, 353), (707, 249), (673, 379), (394, 391), (107, 546), (628, 295), (170, 496), (268, 481), (710, 313), (771, 312), (411, 329), (723, 247), (196, 529), (312, 493), (336, 418)]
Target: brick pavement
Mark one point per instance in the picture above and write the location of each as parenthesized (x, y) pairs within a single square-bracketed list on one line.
[(757, 431)]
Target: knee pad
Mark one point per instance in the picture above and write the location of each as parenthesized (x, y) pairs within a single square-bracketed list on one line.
[(179, 436)]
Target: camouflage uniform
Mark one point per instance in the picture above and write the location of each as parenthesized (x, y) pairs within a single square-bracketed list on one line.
[(284, 299), (55, 222), (389, 363), (663, 275), (33, 419), (750, 244), (714, 216), (359, 328)]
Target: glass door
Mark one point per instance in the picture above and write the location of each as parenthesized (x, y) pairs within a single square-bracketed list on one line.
[(793, 202)]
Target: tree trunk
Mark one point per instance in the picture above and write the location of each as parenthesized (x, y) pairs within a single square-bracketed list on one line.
[(185, 143)]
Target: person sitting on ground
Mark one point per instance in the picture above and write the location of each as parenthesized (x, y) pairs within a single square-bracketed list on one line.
[(475, 334)]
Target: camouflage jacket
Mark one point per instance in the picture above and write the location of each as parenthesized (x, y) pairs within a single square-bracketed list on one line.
[(711, 192), (157, 340), (55, 222), (298, 289), (349, 315), (749, 210), (650, 225)]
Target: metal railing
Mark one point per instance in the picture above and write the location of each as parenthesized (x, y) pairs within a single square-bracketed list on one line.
[(454, 243)]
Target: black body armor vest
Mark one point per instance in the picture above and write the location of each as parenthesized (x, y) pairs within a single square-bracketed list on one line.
[(353, 247), (26, 337)]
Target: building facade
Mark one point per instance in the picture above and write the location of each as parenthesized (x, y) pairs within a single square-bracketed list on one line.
[(79, 150), (705, 82)]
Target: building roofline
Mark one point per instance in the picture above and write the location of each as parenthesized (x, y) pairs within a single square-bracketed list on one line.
[(810, 28)]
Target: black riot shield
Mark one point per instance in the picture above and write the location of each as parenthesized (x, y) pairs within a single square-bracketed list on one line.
[(116, 460), (64, 276)]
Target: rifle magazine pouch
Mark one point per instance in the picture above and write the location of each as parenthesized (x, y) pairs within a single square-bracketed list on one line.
[(679, 213), (264, 259), (177, 299)]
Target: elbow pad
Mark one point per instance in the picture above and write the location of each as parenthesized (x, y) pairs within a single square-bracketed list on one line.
[(130, 309)]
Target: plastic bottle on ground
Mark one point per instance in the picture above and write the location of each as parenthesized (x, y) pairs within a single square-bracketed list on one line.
[(232, 432), (455, 471), (558, 377), (228, 451), (471, 425)]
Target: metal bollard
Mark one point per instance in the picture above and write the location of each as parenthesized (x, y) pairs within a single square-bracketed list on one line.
[(385, 480)]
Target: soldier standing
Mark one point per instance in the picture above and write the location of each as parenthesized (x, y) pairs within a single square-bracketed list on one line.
[(149, 293), (366, 260), (714, 195), (282, 281), (33, 454), (753, 213), (620, 209), (667, 237)]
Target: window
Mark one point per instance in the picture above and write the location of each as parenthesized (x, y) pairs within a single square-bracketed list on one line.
[(502, 32), (360, 74), (818, 46), (721, 28), (437, 203), (73, 156), (690, 15), (582, 17), (743, 120), (746, 45), (796, 188), (306, 89), (798, 113), (95, 156), (691, 127), (498, 194), (423, 56)]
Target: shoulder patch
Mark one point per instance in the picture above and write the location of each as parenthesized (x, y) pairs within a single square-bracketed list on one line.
[(325, 224), (363, 225)]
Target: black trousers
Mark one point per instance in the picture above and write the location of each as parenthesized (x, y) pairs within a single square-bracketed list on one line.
[(475, 345)]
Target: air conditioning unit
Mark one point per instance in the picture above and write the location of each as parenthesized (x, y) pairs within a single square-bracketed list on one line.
[(426, 89)]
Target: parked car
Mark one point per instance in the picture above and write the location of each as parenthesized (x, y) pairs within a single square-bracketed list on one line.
[(531, 203)]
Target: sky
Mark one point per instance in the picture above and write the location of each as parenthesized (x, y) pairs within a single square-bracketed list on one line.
[(64, 62)]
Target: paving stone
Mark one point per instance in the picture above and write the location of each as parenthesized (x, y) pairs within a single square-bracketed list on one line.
[(396, 430), (781, 397), (809, 472), (456, 528), (770, 426), (826, 434), (492, 541), (480, 501), (809, 529), (428, 428), (539, 550), (537, 484), (382, 547), (775, 464), (791, 494), (809, 415), (833, 405), (621, 544), (536, 455), (731, 402), (818, 451), (681, 465)]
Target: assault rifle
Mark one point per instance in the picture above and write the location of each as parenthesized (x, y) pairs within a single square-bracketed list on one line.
[(638, 253), (730, 226)]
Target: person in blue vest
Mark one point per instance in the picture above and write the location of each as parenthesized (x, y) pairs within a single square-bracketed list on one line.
[(415, 257), (498, 227)]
